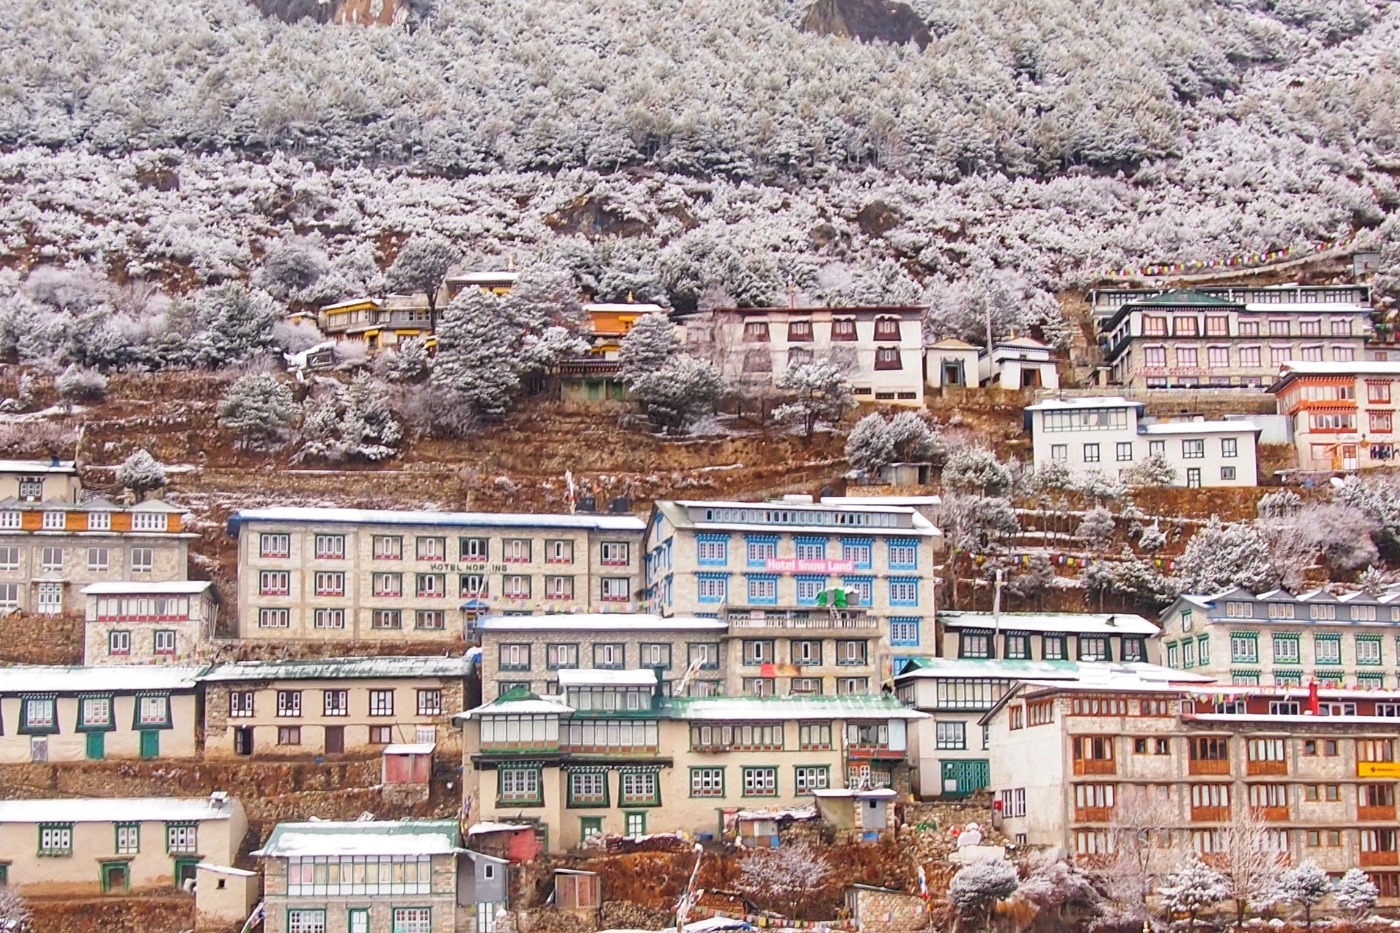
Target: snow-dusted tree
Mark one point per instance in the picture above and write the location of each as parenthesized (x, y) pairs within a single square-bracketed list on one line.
[(422, 266), (870, 445), (1355, 894), (1052, 476), (1152, 538), (1342, 538), (141, 473), (1027, 580), (28, 387), (1193, 886), (1098, 486), (914, 439), (259, 409), (1134, 577), (682, 391), (477, 364), (15, 916), (1142, 846), (1280, 504), (1220, 556), (1097, 528), (1250, 860), (547, 296), (1306, 885), (1156, 470), (223, 325), (979, 524), (290, 267), (783, 878), (350, 423), (978, 886), (408, 361), (1372, 582), (973, 469), (1377, 496), (1053, 886), (649, 345), (819, 391), (76, 386), (541, 351)]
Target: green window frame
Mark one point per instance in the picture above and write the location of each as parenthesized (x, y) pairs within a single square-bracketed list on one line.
[(760, 782), (645, 789), (1292, 677), (91, 702), (1335, 644), (634, 823), (520, 795), (1244, 647), (589, 826), (1202, 651), (807, 778), (1380, 651), (1054, 648), (127, 838), (1241, 678), (306, 920), (4, 874), (580, 786), (707, 782), (146, 714), (55, 840), (1371, 680), (1280, 640), (1173, 655), (181, 838), (411, 920), (39, 715), (112, 867), (358, 918)]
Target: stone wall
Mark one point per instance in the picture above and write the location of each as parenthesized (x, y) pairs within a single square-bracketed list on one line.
[(31, 639)]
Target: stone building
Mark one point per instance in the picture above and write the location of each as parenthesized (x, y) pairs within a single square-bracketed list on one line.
[(820, 599), (1320, 771), (1278, 638), (86, 847), (37, 481), (350, 574), (371, 876), (332, 706), (50, 550), (1342, 415), (531, 652), (148, 623), (614, 755), (881, 910), (65, 714)]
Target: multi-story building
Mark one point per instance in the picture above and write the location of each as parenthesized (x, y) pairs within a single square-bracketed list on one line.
[(948, 752), (50, 550), (1320, 772), (91, 713), (1343, 416), (1107, 434), (1277, 638), (597, 377), (882, 348), (614, 755), (378, 322), (1049, 636), (85, 847), (36, 481), (818, 598), (370, 876), (533, 652), (148, 623), (349, 574), (332, 706), (1227, 337)]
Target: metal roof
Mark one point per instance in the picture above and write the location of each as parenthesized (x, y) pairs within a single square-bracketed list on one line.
[(289, 514), (38, 466), (337, 668), (584, 677), (597, 621), (1075, 623), (1012, 669), (105, 810), (368, 837), (872, 706), (104, 679), (175, 587)]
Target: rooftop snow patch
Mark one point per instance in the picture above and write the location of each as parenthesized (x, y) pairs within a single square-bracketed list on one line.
[(370, 837)]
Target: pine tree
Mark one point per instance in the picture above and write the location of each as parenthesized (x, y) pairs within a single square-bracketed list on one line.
[(1356, 894), (1306, 885), (76, 386), (1097, 528), (915, 440), (1193, 886), (408, 361), (1220, 556), (649, 345), (477, 365), (1156, 470), (370, 429), (977, 887), (230, 324), (870, 445), (820, 392), (974, 469), (679, 393), (422, 266), (141, 473), (259, 409)]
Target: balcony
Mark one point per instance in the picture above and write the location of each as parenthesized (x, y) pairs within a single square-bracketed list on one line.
[(869, 752), (1263, 767), (1379, 859), (597, 368), (806, 620), (1272, 814), (1092, 814), (1209, 766), (1386, 813), (1095, 766), (1210, 814)]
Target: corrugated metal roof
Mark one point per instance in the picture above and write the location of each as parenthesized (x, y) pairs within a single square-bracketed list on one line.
[(952, 668), (597, 621), (640, 677), (1108, 623), (582, 520), (369, 837), (37, 466), (334, 668), (177, 587), (105, 679), (102, 810), (875, 706)]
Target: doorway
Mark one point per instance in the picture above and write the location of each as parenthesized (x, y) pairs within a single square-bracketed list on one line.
[(116, 878), (150, 743), (335, 740), (243, 740)]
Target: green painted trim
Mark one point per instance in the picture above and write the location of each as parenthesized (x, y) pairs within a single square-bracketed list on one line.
[(116, 838), (24, 726), (723, 776), (137, 724), (743, 775), (573, 804)]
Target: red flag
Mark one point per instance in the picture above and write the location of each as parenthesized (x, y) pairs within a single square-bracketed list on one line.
[(1314, 707)]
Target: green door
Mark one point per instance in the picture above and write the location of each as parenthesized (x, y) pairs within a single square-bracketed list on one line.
[(150, 743), (116, 877), (184, 871), (96, 746), (961, 778)]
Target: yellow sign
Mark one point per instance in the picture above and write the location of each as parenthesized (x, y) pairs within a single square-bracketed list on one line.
[(1389, 770)]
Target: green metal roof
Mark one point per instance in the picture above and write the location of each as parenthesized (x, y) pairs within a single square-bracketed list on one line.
[(872, 706), (1185, 297)]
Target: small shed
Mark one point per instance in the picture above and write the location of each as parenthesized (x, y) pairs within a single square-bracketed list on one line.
[(758, 829), (1019, 363), (515, 842), (483, 880), (866, 812), (882, 910), (409, 763), (578, 892), (950, 363), (223, 895)]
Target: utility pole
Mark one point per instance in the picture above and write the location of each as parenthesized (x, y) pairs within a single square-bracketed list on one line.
[(996, 610)]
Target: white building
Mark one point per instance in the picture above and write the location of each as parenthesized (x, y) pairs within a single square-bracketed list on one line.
[(1108, 434), (1342, 415), (1019, 363), (951, 363), (148, 623)]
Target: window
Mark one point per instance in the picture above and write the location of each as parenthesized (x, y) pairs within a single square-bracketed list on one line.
[(274, 583), (1154, 325), (384, 735), (756, 332), (163, 641), (381, 702), (429, 620), (1193, 449), (1368, 649), (289, 703), (429, 702), (289, 735), (904, 591), (431, 549), (51, 559), (1154, 357), (704, 655), (712, 551), (516, 586), (472, 585), (54, 520), (1059, 452), (335, 702), (1124, 451), (330, 547), (1381, 421), (1052, 648), (1250, 358), (843, 329), (386, 619), (306, 921), (128, 838), (430, 585), (330, 584), (975, 645), (1094, 648), (655, 655), (951, 735), (808, 778), (640, 789), (904, 632), (1133, 650), (519, 785), (387, 547), (517, 550), (274, 618), (1186, 326), (1327, 649), (95, 714), (472, 550), (558, 552), (98, 559), (1227, 474), (515, 657), (1091, 453), (143, 559), (588, 789), (1286, 648), (182, 838), (616, 589), (1186, 357), (616, 553), (707, 782), (412, 920), (887, 358), (561, 657), (760, 782), (55, 839), (851, 653), (328, 619), (119, 642), (757, 652), (814, 736), (611, 656)]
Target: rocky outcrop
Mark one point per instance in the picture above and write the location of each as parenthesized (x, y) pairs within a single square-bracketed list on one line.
[(868, 21)]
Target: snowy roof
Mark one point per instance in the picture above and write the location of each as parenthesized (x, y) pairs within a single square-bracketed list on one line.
[(875, 706), (1200, 427), (597, 621), (1111, 681), (955, 668), (480, 829), (1084, 401), (1294, 368), (1078, 623), (879, 793), (226, 870), (465, 519), (1306, 307), (1021, 343), (474, 278), (808, 812), (913, 502), (677, 511), (170, 587), (580, 677), (1185, 297), (950, 343), (38, 466), (332, 668), (106, 679), (410, 748), (368, 837), (518, 701), (603, 307), (103, 810)]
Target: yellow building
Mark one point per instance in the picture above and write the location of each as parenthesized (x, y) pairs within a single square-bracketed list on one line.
[(613, 755), (91, 713)]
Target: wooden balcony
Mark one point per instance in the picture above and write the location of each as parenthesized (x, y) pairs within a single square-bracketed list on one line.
[(1095, 766), (1210, 814), (806, 620), (1272, 814), (1092, 814), (1211, 766), (1365, 814), (1379, 859), (1266, 767)]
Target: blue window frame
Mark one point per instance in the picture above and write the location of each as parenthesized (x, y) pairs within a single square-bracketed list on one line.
[(759, 549), (711, 587), (903, 554), (861, 590), (763, 589), (712, 550), (904, 591), (807, 589), (809, 548), (904, 631), (859, 550)]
